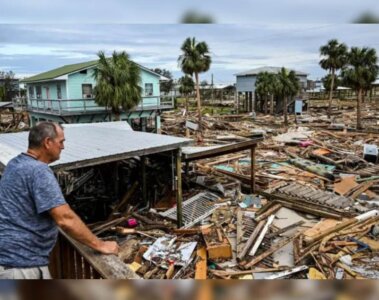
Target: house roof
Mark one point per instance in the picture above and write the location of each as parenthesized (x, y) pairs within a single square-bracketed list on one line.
[(95, 143), (268, 69), (68, 69), (217, 86)]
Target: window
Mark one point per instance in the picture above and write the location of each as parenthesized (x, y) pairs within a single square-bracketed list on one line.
[(83, 71), (38, 92), (87, 91), (31, 92), (148, 89), (59, 91)]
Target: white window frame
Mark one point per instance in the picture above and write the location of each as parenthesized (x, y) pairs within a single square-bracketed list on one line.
[(149, 91)]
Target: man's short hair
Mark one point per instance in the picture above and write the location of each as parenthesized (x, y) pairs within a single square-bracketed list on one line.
[(41, 131)]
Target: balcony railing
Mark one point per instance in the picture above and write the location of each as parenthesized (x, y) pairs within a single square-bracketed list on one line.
[(84, 106)]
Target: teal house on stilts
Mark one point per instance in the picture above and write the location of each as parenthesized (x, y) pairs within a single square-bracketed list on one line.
[(65, 95)]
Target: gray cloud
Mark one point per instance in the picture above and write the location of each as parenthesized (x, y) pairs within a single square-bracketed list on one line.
[(30, 49)]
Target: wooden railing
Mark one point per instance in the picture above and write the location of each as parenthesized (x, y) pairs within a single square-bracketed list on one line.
[(72, 260), (83, 106)]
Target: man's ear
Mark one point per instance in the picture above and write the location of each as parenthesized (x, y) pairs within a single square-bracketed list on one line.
[(46, 143)]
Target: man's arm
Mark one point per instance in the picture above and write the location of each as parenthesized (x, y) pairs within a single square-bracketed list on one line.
[(70, 223)]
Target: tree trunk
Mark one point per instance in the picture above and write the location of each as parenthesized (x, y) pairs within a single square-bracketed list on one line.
[(186, 105), (331, 95), (272, 105), (359, 103), (265, 105), (285, 111), (198, 102)]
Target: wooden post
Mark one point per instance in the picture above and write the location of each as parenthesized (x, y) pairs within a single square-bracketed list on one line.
[(178, 160), (237, 100), (252, 169), (143, 175)]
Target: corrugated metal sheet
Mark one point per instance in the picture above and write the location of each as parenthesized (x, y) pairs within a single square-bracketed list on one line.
[(192, 150), (6, 104), (93, 143)]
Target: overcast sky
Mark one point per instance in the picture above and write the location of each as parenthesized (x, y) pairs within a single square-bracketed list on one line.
[(29, 49), (170, 11)]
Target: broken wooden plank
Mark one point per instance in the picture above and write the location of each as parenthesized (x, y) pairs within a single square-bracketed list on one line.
[(251, 239), (261, 235), (268, 213), (201, 264)]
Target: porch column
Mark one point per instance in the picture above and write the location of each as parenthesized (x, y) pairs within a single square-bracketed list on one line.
[(158, 123), (143, 175), (143, 122), (237, 101)]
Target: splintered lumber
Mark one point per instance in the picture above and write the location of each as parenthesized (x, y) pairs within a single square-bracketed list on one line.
[(362, 188), (222, 273), (285, 229), (187, 231), (270, 251), (201, 265), (251, 239), (343, 225), (106, 226), (170, 271), (239, 230), (261, 235), (268, 213)]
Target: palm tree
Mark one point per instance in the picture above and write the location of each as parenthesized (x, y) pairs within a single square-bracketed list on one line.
[(274, 90), (195, 59), (186, 88), (327, 82), (117, 82), (334, 59), (263, 87), (288, 87), (360, 72)]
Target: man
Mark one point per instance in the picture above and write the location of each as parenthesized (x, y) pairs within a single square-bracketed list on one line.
[(32, 204)]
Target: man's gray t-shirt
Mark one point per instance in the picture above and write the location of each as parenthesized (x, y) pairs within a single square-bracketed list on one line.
[(28, 190)]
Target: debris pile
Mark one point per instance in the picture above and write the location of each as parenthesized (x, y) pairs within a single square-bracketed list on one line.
[(314, 213)]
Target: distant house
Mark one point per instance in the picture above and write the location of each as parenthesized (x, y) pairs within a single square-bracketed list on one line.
[(245, 84), (65, 95)]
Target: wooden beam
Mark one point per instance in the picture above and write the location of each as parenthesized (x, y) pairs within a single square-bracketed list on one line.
[(201, 265), (252, 169), (179, 197)]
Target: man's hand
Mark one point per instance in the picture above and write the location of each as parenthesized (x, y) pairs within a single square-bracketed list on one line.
[(108, 247)]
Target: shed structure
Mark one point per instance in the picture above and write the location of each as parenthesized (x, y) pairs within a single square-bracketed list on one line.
[(89, 145)]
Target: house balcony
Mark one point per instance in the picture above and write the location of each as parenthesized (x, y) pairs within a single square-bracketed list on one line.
[(69, 107)]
